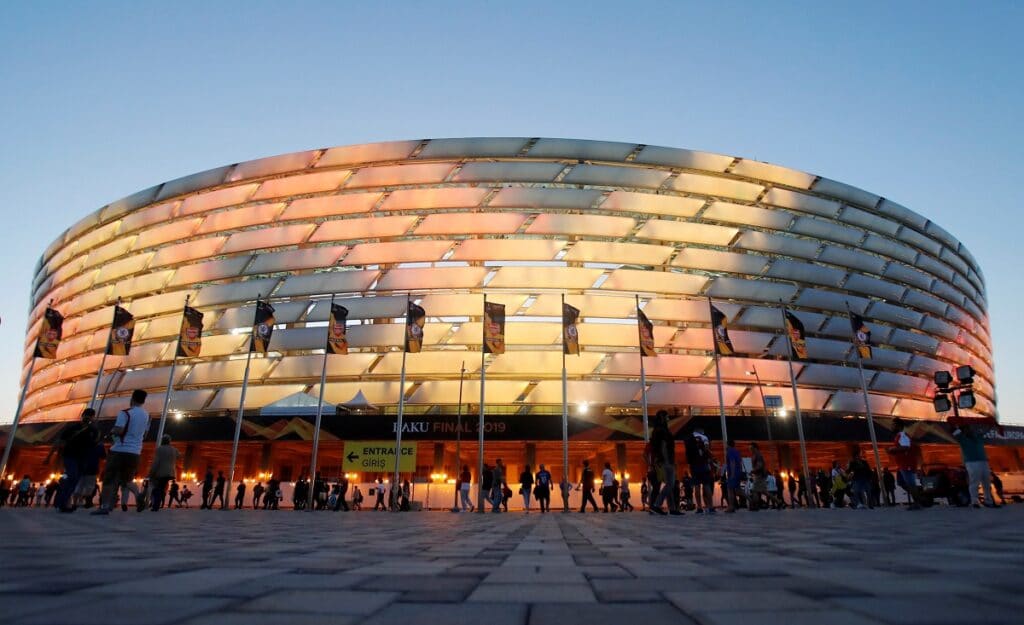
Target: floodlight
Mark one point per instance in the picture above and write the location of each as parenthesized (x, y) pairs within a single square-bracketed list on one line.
[(965, 400), (943, 379), (941, 403), (965, 374)]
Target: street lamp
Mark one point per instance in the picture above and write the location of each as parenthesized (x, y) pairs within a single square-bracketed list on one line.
[(954, 395), (764, 404)]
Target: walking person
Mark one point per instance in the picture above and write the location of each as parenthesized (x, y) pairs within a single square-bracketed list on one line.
[(342, 502), (625, 495), (257, 494), (498, 486), (587, 485), (889, 487), (608, 487), (218, 491), (173, 496), (379, 491), (129, 430), (759, 488), (465, 483), (161, 472), (663, 459), (526, 487), (542, 489), (207, 491), (75, 442), (565, 486), (733, 475), (240, 495), (972, 449), (860, 481), (791, 486), (698, 456), (644, 493), (905, 453)]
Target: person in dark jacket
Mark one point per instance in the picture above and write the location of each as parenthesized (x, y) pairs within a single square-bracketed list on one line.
[(587, 485)]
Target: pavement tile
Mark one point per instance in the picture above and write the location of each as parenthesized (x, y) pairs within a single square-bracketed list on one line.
[(533, 593), (137, 608), (322, 601), (445, 614), (930, 609), (606, 614), (738, 599)]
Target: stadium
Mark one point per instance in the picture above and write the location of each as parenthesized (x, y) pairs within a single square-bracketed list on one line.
[(442, 223)]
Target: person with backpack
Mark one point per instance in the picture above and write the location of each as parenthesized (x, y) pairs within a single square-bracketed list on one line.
[(905, 453), (663, 459), (129, 430), (860, 481), (75, 443), (698, 456), (542, 489), (608, 488), (526, 487), (587, 486)]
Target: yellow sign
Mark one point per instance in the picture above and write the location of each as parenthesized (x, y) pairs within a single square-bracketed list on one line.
[(370, 456)]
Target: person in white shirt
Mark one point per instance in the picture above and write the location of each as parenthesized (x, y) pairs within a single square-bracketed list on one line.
[(128, 432), (608, 487)]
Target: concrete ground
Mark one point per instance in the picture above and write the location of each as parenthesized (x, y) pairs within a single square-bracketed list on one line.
[(841, 567)]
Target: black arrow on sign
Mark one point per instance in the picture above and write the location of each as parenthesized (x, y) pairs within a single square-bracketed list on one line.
[(352, 457)]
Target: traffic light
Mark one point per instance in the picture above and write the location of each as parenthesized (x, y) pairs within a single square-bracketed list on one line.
[(943, 379), (941, 403), (965, 374)]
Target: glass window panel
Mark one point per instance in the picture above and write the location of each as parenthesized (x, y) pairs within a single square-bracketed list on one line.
[(423, 363), (459, 304), (151, 378), (174, 231), (146, 283), (292, 260), (601, 393), (688, 159), (447, 392), (272, 165), (367, 153), (99, 236), (148, 216), (208, 271), (654, 204), (255, 396), (822, 229), (217, 199), (235, 292), (470, 223), (363, 228), (473, 146), (718, 187), (845, 192), (83, 225), (392, 175), (226, 371), (264, 238), (507, 249), (874, 287), (331, 205), (368, 308), (806, 272), (715, 260), (913, 277), (327, 283), (124, 267), (191, 250), (626, 253), (917, 299), (544, 277), (950, 257), (866, 220), (774, 173), (301, 184), (376, 393), (162, 327), (542, 363), (193, 182), (688, 394), (801, 202), (686, 232), (886, 382), (654, 282), (919, 240), (831, 376), (158, 304), (778, 244), (81, 283), (902, 214), (735, 369), (613, 176), (664, 366), (544, 198), (910, 340), (309, 367), (609, 305), (420, 199), (508, 172), (396, 252), (432, 278), (108, 252), (748, 215), (896, 314), (757, 290), (582, 225), (581, 149), (516, 333), (940, 327), (934, 267), (235, 219)]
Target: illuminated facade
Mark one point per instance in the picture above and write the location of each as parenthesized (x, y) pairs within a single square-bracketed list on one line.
[(523, 220)]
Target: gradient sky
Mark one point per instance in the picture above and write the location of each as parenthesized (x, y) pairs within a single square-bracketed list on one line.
[(918, 102)]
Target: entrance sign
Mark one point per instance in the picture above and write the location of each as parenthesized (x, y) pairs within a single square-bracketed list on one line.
[(773, 401), (369, 456)]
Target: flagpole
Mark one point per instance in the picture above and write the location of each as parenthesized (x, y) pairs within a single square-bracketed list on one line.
[(565, 403), (458, 438), (170, 385), (796, 401), (643, 376), (867, 406), (241, 405), (480, 424), (103, 360), (320, 405), (17, 418), (401, 400), (718, 381)]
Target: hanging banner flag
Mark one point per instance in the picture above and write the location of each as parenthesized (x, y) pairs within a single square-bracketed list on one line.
[(797, 337), (50, 334), (861, 335), (646, 329), (337, 332), (190, 342), (720, 332), (120, 343), (570, 335), (262, 328), (415, 318), (494, 328)]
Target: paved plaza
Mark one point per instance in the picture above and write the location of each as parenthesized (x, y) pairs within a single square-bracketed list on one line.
[(842, 567)]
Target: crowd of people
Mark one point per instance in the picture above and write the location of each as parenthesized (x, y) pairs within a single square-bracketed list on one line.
[(744, 483)]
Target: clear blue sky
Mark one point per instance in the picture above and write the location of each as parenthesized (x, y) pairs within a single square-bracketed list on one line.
[(919, 102)]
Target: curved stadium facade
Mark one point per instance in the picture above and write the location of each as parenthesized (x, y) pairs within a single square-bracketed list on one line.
[(524, 221)]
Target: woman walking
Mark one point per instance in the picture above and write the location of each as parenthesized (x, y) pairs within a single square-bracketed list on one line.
[(542, 489), (526, 487)]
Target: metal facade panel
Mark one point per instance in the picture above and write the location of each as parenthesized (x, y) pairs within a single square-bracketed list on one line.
[(367, 153), (217, 199), (625, 253), (192, 183), (470, 223), (392, 175), (686, 159), (819, 228), (670, 282), (268, 238), (717, 187), (806, 272), (363, 228), (778, 244), (272, 165), (581, 225), (507, 249), (651, 203), (581, 149), (715, 260), (773, 173), (602, 393), (294, 260), (748, 215), (686, 232), (432, 278), (396, 252), (545, 278), (330, 205), (610, 175), (473, 146), (327, 283), (520, 197), (802, 202), (845, 192), (507, 171), (420, 199)]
